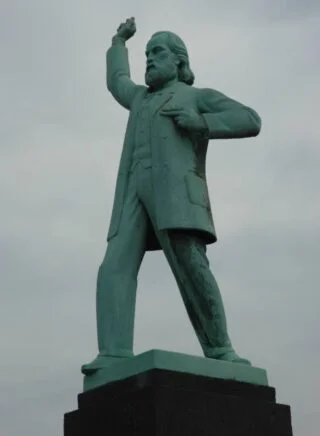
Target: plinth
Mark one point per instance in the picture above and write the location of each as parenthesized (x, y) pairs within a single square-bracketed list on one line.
[(160, 393)]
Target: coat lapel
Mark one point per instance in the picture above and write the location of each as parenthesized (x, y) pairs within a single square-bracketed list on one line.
[(164, 96), (160, 100)]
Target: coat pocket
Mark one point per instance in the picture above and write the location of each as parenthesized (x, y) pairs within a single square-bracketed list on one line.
[(197, 190)]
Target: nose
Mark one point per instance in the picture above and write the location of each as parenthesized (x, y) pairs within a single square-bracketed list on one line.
[(150, 58), (149, 62)]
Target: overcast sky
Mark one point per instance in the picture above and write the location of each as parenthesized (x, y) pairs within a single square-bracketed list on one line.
[(61, 138)]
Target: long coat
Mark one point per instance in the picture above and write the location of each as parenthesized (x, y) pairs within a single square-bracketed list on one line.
[(178, 156)]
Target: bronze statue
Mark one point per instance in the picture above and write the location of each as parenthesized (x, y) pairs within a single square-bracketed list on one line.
[(161, 199)]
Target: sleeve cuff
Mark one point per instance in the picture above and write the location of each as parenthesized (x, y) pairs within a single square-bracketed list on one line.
[(117, 40)]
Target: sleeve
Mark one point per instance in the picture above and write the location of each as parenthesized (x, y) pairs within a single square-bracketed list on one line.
[(225, 117), (119, 82)]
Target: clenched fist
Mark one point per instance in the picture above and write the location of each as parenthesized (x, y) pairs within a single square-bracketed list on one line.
[(127, 30)]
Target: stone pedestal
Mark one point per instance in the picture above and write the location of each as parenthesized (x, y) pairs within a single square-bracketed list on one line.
[(162, 401)]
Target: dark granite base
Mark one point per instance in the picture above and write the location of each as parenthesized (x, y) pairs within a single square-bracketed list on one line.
[(169, 403)]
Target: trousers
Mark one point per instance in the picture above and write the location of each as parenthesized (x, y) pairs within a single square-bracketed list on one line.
[(186, 255)]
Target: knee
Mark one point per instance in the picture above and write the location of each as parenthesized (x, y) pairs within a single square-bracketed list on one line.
[(113, 259), (109, 267)]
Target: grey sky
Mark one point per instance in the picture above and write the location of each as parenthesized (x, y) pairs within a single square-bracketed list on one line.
[(61, 138)]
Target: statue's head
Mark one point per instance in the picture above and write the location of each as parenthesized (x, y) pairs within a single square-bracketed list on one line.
[(167, 60)]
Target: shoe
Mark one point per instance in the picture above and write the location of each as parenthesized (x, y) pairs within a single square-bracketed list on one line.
[(100, 362), (231, 356), (226, 354)]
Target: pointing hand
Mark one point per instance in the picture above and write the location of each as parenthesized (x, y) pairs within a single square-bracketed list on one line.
[(188, 119)]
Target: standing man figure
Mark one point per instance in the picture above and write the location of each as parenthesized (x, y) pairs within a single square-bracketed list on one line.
[(161, 199)]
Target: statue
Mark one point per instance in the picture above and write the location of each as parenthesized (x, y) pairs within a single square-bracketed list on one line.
[(161, 199)]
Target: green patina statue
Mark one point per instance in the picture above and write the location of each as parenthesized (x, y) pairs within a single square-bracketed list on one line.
[(161, 199)]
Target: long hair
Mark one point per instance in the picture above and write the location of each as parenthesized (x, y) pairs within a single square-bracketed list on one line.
[(178, 47)]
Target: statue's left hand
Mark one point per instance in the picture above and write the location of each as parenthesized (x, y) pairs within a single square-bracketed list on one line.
[(186, 118)]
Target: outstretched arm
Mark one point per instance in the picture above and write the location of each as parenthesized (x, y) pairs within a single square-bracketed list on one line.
[(118, 72), (227, 118)]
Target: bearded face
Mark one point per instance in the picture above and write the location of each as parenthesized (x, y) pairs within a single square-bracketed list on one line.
[(162, 64)]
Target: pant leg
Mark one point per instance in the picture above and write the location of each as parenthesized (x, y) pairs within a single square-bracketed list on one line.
[(187, 258), (117, 278), (186, 254)]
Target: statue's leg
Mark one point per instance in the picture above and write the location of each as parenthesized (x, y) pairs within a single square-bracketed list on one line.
[(186, 254), (116, 288), (199, 290), (117, 283), (187, 257)]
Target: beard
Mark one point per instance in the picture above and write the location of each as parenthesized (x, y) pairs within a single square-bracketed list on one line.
[(158, 75)]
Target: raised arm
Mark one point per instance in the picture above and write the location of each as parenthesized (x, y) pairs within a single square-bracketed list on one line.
[(227, 118), (118, 72)]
